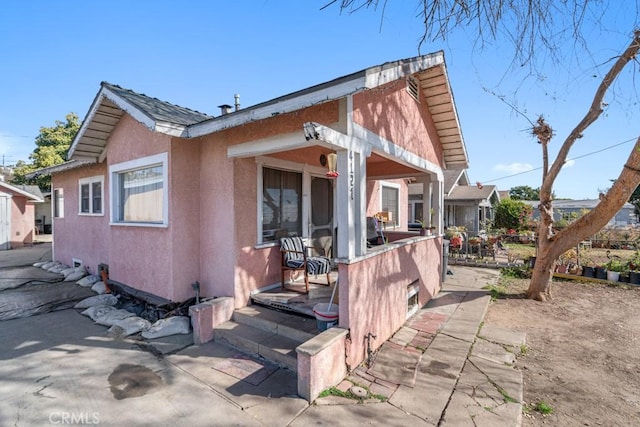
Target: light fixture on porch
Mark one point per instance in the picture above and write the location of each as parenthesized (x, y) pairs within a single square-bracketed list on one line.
[(332, 164)]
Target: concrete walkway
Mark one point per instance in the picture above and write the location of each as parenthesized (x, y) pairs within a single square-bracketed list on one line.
[(436, 370)]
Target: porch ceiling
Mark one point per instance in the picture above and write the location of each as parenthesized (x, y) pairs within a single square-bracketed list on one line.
[(436, 90)]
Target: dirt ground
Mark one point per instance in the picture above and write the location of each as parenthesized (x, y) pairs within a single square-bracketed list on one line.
[(583, 352)]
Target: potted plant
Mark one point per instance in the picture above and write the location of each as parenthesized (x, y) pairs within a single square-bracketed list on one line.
[(423, 227), (614, 267)]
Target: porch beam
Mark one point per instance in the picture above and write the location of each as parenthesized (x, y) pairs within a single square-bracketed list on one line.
[(394, 152), (259, 147), (316, 132), (346, 206)]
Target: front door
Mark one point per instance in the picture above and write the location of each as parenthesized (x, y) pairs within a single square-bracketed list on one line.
[(321, 221)]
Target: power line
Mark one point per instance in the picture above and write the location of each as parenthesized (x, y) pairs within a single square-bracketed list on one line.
[(573, 158)]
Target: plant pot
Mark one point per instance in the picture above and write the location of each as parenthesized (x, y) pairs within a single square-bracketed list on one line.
[(601, 273), (624, 278), (634, 277), (613, 276), (590, 272)]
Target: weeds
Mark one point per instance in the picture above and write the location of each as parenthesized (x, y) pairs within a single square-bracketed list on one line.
[(541, 407)]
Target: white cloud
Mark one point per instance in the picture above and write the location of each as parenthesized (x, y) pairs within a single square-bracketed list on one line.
[(513, 168)]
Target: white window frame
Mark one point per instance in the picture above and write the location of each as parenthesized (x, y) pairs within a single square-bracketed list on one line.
[(307, 172), (90, 181), (57, 203), (383, 184), (115, 170)]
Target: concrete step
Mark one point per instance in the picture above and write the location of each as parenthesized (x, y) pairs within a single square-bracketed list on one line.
[(292, 326), (257, 342)]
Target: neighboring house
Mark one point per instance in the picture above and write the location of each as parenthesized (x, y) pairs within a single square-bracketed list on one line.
[(167, 196), (573, 209), (17, 214), (466, 205)]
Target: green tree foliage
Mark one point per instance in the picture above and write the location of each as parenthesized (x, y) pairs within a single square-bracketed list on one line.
[(512, 214), (52, 144), (524, 192)]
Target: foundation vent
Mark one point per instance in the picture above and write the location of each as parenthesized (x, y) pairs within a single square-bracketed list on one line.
[(413, 300)]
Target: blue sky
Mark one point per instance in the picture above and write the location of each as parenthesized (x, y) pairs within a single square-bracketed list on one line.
[(198, 54)]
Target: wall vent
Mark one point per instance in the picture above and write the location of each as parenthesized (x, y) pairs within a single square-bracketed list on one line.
[(413, 87), (413, 298)]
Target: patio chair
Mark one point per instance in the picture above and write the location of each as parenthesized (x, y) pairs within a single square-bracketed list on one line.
[(295, 258), (374, 231)]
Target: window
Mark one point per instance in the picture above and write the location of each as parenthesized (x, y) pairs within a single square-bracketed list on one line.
[(58, 203), (389, 202), (91, 195), (281, 204), (139, 191)]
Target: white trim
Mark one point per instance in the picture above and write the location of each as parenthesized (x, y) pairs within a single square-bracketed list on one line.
[(378, 76), (141, 163), (396, 153), (396, 221), (295, 103), (125, 106), (54, 203), (28, 195), (90, 181), (289, 141)]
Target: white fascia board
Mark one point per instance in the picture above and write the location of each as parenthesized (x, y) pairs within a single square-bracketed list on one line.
[(273, 109), (274, 144), (395, 152), (379, 76), (129, 109), (335, 139), (171, 129)]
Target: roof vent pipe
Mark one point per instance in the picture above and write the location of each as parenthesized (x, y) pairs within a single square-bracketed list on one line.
[(224, 109), (237, 99)]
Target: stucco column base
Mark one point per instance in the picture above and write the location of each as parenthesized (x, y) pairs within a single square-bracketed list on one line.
[(321, 362), (208, 315)]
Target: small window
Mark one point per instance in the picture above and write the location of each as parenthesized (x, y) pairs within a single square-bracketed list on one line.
[(58, 203), (390, 197), (90, 198), (139, 192)]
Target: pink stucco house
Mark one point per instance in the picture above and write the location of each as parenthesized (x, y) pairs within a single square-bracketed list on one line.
[(17, 214), (166, 196)]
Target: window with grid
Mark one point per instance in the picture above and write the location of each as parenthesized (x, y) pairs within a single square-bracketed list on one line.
[(91, 196)]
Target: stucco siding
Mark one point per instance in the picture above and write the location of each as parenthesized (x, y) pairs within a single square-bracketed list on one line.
[(22, 221), (217, 239), (392, 113), (85, 238), (375, 299)]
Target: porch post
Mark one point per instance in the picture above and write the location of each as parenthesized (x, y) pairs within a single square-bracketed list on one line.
[(360, 181), (346, 204), (425, 180), (438, 202)]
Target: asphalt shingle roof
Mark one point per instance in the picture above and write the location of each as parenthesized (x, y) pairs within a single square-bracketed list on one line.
[(158, 110)]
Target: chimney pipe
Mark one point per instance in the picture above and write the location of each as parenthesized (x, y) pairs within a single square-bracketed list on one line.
[(237, 99), (224, 109)]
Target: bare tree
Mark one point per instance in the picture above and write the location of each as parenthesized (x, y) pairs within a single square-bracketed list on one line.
[(550, 244), (536, 28)]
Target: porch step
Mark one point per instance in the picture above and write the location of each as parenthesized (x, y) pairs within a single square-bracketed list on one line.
[(272, 335)]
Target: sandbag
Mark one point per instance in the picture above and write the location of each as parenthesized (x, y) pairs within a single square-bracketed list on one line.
[(169, 326), (74, 276), (88, 281), (98, 311), (48, 265), (40, 263), (129, 326), (111, 317), (104, 299), (67, 271), (99, 288)]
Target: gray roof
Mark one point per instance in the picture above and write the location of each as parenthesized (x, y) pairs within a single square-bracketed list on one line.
[(158, 110), (31, 191), (471, 192), (453, 177)]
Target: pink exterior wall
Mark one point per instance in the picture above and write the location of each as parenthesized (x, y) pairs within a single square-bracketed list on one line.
[(375, 298), (393, 114), (86, 238), (22, 221), (374, 195)]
